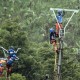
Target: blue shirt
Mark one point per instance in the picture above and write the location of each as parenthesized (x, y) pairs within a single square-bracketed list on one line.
[(11, 60), (52, 35), (59, 18)]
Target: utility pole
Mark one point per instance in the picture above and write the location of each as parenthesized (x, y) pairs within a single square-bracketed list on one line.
[(59, 61), (61, 35), (60, 53), (55, 67)]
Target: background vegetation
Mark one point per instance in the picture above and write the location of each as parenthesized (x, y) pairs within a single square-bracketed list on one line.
[(25, 24)]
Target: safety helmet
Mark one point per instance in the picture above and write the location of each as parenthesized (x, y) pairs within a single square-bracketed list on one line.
[(51, 29), (59, 11), (11, 47)]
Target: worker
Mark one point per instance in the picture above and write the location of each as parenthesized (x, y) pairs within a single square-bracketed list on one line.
[(9, 63), (60, 16), (58, 24), (53, 39), (52, 36), (11, 51)]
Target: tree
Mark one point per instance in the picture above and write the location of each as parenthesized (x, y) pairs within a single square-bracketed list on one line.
[(18, 77)]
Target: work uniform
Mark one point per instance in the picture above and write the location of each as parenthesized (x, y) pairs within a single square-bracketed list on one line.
[(11, 53), (58, 27), (58, 24), (52, 37), (9, 63)]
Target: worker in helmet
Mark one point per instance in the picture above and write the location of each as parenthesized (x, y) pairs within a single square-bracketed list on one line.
[(52, 35), (58, 24), (59, 16), (9, 63), (11, 51), (53, 39)]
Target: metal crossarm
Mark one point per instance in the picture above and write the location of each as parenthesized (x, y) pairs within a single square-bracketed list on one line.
[(73, 10), (69, 10)]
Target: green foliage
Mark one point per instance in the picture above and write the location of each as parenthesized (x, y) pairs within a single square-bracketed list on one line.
[(18, 77), (25, 24)]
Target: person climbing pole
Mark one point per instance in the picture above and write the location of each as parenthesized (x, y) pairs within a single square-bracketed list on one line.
[(52, 36), (53, 39), (58, 24), (10, 60), (60, 16), (9, 63), (11, 52)]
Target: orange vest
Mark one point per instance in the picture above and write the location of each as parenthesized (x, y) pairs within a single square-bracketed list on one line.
[(58, 28)]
